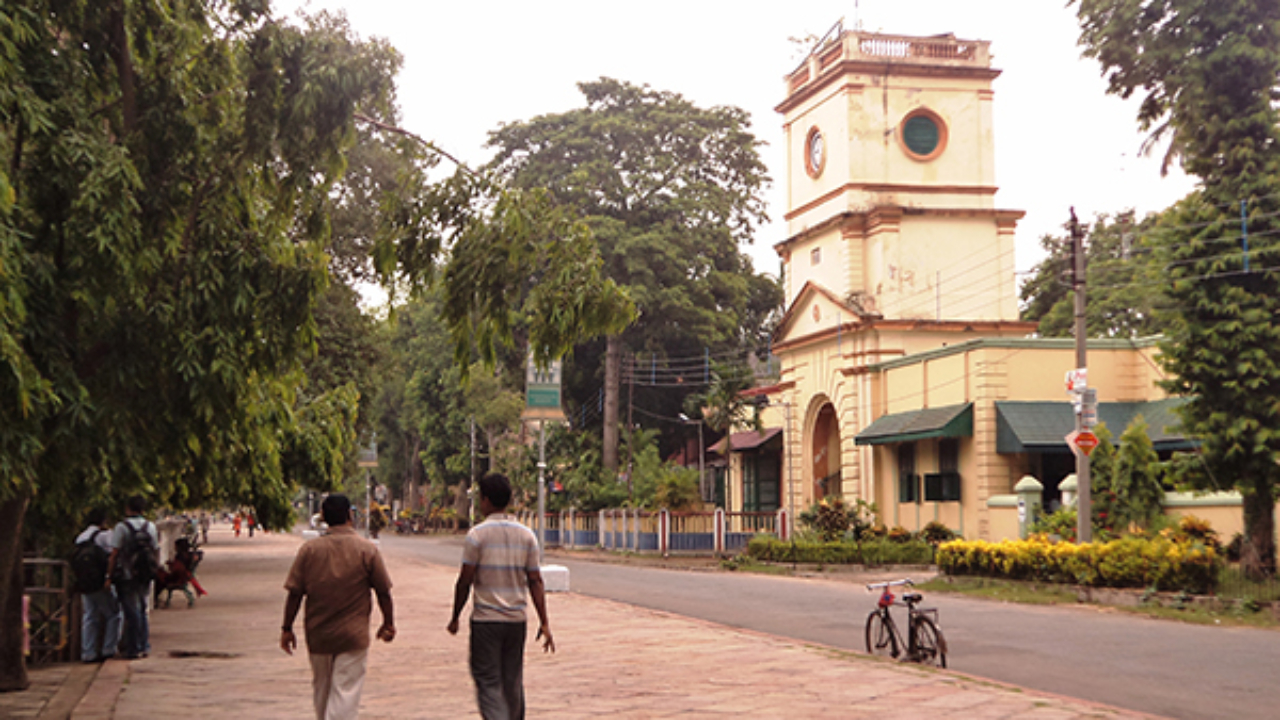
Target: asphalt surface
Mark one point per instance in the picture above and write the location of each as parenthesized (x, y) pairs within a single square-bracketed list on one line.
[(1153, 666)]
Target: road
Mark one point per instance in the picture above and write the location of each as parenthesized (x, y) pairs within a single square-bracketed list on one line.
[(1160, 667)]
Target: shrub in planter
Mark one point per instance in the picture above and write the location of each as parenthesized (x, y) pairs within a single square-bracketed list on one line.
[(829, 518), (935, 533), (900, 534)]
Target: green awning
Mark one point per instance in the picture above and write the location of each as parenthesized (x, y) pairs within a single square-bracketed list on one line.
[(1041, 427), (939, 422)]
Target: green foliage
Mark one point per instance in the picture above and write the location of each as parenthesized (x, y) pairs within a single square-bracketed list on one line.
[(669, 191), (828, 517), (165, 200), (1160, 562), (935, 533), (1136, 478), (1060, 523), (1207, 75), (899, 534), (677, 490), (1120, 303)]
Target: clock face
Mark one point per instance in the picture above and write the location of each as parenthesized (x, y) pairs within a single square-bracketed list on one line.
[(815, 152)]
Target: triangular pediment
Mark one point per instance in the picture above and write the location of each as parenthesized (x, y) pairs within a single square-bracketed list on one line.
[(816, 311)]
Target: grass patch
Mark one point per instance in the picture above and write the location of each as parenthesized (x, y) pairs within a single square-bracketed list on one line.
[(746, 563), (1032, 593), (1236, 617), (1027, 593)]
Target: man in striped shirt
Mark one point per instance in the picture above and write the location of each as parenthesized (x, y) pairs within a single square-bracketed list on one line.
[(500, 559)]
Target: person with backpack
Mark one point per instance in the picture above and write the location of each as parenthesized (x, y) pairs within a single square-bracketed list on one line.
[(100, 619), (135, 557)]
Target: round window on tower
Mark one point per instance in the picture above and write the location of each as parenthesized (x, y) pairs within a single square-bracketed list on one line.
[(923, 134), (815, 152)]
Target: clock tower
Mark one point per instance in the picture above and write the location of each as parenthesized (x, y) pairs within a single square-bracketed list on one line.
[(895, 248), (891, 179)]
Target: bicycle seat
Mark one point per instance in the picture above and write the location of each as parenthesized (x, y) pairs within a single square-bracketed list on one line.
[(912, 598)]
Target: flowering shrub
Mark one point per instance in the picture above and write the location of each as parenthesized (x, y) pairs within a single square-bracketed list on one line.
[(1159, 562)]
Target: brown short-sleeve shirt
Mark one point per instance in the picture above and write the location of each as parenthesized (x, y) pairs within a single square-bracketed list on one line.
[(336, 573)]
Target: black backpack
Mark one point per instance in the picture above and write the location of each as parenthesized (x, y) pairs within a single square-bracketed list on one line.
[(139, 558), (89, 565)]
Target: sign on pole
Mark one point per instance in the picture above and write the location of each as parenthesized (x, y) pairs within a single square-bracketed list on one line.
[(1077, 380), (1085, 441), (542, 391), (1089, 408)]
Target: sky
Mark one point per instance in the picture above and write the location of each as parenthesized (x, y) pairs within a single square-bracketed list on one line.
[(1061, 141)]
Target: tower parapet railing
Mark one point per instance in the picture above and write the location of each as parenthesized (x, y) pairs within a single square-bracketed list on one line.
[(857, 46)]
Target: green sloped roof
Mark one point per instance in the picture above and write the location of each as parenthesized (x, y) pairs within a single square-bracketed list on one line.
[(1043, 426), (948, 421)]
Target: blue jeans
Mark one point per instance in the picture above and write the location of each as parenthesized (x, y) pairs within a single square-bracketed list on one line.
[(100, 623), (136, 638)]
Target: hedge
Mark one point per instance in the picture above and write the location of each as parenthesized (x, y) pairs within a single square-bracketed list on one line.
[(1160, 563), (868, 552)]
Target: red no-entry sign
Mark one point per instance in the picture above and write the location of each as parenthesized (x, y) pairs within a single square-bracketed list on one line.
[(1086, 441)]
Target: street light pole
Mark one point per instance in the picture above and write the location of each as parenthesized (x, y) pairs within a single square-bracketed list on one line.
[(702, 456)]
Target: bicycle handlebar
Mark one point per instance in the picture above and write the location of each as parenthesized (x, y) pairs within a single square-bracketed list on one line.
[(891, 583)]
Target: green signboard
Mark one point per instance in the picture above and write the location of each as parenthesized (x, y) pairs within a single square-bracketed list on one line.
[(542, 386)]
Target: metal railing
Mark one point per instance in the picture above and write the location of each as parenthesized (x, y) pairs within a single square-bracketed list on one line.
[(50, 616)]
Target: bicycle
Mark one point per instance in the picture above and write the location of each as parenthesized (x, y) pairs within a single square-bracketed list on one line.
[(925, 643)]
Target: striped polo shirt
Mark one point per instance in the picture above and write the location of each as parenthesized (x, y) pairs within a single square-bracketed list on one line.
[(503, 551)]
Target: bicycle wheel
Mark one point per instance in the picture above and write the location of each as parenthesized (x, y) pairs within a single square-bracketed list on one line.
[(880, 638), (931, 647)]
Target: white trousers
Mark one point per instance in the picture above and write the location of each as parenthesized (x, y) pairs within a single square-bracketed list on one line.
[(337, 681)]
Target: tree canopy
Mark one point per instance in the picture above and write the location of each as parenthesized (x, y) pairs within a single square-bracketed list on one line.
[(1206, 72), (669, 190), (164, 198), (1121, 272)]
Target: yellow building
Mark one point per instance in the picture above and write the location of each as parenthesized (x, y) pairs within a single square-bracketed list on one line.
[(907, 379)]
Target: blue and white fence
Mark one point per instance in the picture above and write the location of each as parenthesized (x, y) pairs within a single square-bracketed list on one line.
[(661, 531)]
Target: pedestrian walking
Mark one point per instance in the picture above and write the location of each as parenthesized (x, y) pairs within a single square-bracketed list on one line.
[(100, 618), (134, 560), (500, 560), (204, 528), (336, 573)]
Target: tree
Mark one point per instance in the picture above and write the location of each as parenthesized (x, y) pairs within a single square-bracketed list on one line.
[(163, 204), (1121, 275), (669, 190), (1135, 478), (724, 408), (1207, 75)]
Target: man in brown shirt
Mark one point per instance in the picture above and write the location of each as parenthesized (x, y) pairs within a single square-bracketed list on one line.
[(335, 573)]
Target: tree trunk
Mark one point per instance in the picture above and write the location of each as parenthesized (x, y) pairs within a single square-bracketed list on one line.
[(1258, 554), (612, 389), (13, 667)]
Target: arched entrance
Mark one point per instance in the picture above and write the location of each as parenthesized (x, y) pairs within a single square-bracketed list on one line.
[(824, 454)]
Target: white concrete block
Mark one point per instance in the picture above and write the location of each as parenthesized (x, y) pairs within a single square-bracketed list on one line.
[(555, 578)]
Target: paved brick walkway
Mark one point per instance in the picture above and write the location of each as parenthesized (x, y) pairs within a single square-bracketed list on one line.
[(614, 660)]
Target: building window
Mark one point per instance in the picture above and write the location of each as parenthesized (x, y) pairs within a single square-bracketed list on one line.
[(923, 134), (908, 480), (815, 256), (944, 485)]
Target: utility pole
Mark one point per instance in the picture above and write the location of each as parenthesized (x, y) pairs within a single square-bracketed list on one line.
[(1084, 501)]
